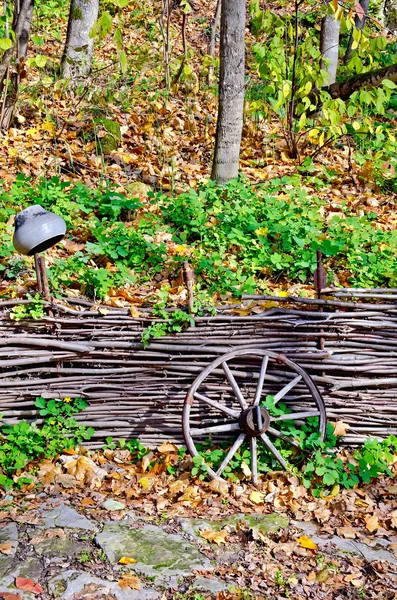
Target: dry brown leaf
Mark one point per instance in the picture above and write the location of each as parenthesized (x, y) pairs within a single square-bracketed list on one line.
[(84, 470), (177, 486), (130, 581), (347, 532), (372, 523), (167, 447), (6, 548), (340, 428), (219, 486), (218, 537), (146, 460), (393, 516)]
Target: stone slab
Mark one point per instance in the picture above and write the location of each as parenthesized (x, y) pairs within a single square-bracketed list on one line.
[(343, 546), (60, 548), (81, 585), (268, 523), (66, 516), (9, 533), (156, 552)]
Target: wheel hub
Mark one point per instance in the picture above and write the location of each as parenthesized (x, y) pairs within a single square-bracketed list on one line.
[(254, 421)]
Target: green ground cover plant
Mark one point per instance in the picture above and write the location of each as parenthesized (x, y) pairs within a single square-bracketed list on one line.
[(320, 465), (55, 431), (237, 237)]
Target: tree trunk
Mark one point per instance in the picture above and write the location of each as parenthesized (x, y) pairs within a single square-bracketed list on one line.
[(359, 25), (390, 14), (329, 45), (344, 89), (231, 91), (79, 46), (10, 74)]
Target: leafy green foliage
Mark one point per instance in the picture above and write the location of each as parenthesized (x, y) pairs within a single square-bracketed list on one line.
[(25, 442), (238, 236), (320, 466), (32, 310), (289, 60)]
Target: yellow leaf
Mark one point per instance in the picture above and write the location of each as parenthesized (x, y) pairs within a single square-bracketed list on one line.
[(306, 542), (144, 482), (256, 497), (340, 428), (48, 126), (218, 537), (126, 560), (372, 523), (130, 581)]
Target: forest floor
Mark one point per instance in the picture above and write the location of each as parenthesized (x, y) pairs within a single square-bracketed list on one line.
[(105, 529)]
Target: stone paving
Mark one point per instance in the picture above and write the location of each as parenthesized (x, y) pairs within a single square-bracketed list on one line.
[(74, 558)]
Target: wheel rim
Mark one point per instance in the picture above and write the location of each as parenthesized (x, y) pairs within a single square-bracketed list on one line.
[(243, 418)]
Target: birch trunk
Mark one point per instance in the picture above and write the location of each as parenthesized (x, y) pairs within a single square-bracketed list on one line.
[(79, 46), (231, 91), (329, 45)]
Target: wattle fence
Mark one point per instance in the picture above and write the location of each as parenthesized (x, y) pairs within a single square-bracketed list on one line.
[(348, 344)]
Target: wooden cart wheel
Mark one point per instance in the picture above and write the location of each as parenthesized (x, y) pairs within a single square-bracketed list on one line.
[(225, 401)]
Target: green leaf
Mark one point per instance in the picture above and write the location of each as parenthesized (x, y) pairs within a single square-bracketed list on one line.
[(5, 43), (387, 83), (40, 60)]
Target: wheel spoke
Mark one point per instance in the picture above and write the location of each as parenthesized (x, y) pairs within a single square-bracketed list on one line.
[(259, 387), (231, 453), (216, 429), (270, 446), (283, 437), (287, 388), (233, 383), (298, 415), (254, 462), (218, 405)]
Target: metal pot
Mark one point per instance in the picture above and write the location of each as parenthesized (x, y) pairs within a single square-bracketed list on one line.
[(37, 229)]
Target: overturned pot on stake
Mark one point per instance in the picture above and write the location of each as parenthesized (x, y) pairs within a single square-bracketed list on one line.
[(36, 230)]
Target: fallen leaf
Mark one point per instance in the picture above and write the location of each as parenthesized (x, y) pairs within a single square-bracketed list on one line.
[(146, 460), (347, 532), (219, 486), (85, 470), (9, 596), (110, 504), (130, 581), (340, 428), (126, 560), (245, 469), (144, 482), (372, 523), (6, 548), (256, 497), (391, 489), (218, 537), (167, 447), (28, 585), (306, 542), (178, 485)]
